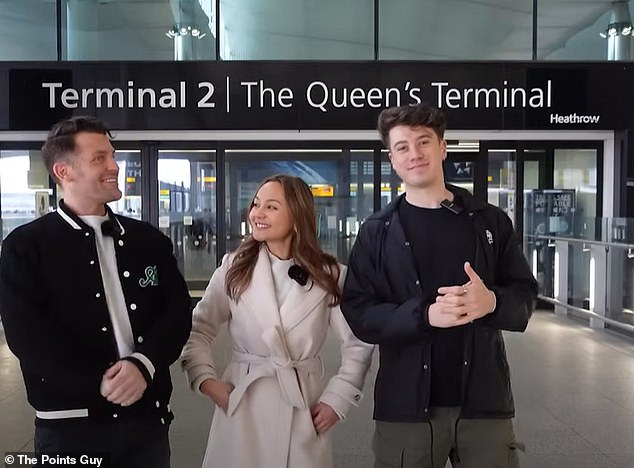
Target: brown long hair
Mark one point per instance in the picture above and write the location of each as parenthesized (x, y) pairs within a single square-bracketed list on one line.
[(322, 268)]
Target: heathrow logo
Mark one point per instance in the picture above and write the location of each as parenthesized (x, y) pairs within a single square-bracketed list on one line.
[(574, 119)]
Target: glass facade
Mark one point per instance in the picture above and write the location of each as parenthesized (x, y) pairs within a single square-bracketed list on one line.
[(159, 30), (133, 30), (130, 182), (199, 196), (28, 30), (341, 182), (25, 188), (584, 23), (187, 209), (297, 30), (459, 30)]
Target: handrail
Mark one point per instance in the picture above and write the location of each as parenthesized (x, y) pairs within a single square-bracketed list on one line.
[(581, 241), (614, 323)]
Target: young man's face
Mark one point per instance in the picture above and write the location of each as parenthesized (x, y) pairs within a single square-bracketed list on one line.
[(91, 171), (417, 155)]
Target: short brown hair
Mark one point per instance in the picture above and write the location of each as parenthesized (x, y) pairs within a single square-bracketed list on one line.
[(420, 115), (60, 140)]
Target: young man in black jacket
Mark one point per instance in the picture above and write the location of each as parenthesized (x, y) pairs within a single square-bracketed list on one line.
[(433, 279), (95, 309)]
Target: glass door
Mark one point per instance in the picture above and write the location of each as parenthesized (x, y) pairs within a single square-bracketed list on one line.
[(536, 185), (550, 191), (460, 170), (341, 181), (130, 183), (26, 191), (501, 180), (187, 203)]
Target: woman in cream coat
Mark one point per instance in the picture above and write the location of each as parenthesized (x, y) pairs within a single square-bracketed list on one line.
[(274, 408)]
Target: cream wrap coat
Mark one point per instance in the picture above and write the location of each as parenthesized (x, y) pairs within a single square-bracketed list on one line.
[(276, 370)]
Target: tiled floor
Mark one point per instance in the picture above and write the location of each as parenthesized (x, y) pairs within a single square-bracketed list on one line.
[(574, 393)]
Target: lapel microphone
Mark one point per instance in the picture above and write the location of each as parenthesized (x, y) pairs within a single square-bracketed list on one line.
[(451, 206), (298, 274), (110, 228)]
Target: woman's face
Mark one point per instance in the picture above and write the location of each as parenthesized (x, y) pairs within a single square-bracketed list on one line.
[(271, 219)]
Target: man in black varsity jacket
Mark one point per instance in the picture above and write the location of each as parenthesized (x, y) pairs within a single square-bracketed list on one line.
[(433, 279), (95, 309)]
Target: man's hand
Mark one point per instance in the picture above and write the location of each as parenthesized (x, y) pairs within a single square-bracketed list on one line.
[(324, 417), (123, 383), (459, 305), (218, 391)]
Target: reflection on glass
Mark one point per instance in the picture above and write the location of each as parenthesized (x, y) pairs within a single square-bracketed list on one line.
[(25, 192), (335, 178), (562, 36), (459, 171), (540, 254), (297, 30), (130, 203), (575, 173), (187, 209), (138, 30), (27, 30), (391, 184), (576, 169), (436, 30), (501, 185)]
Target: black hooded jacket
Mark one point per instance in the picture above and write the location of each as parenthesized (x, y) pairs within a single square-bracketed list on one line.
[(384, 304)]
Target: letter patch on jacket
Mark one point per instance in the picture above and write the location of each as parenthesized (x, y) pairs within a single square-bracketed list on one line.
[(151, 277), (489, 237)]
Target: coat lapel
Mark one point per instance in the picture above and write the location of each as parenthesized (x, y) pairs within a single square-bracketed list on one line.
[(301, 302), (260, 300), (260, 297)]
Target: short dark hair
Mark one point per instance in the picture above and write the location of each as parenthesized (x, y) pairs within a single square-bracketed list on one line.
[(420, 115), (60, 140)]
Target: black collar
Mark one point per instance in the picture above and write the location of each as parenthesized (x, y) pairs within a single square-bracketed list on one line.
[(111, 227)]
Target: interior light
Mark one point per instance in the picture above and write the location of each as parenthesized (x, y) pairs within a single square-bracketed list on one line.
[(623, 28), (183, 30)]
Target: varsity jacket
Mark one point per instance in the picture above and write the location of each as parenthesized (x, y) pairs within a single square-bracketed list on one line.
[(56, 320), (386, 304)]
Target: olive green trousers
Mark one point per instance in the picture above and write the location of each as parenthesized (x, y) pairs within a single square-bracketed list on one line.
[(467, 443)]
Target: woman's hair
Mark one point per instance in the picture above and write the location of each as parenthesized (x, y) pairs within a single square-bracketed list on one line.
[(322, 268)]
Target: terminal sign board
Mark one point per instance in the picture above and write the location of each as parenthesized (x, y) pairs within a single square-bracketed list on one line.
[(315, 95)]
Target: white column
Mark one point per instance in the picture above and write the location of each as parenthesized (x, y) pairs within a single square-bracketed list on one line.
[(619, 32)]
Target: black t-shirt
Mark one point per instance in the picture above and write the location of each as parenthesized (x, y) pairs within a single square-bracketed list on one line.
[(441, 241)]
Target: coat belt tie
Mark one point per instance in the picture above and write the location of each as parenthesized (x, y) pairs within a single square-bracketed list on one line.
[(278, 364)]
